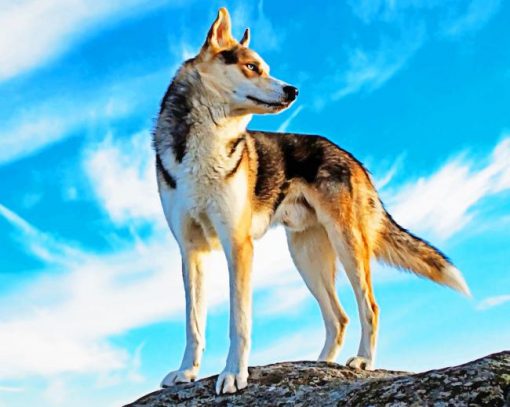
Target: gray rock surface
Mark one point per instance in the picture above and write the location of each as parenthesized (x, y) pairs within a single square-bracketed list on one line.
[(483, 382)]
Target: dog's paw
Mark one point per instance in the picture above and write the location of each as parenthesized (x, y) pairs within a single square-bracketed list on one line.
[(179, 376), (359, 362), (231, 382)]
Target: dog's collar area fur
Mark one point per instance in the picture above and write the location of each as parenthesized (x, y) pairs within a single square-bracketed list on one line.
[(190, 109)]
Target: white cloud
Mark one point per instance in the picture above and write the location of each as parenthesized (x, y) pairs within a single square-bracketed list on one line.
[(443, 202), (123, 177), (56, 392), (68, 317), (492, 302), (35, 31)]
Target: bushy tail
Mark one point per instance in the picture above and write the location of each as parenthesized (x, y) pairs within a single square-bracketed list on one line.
[(398, 247)]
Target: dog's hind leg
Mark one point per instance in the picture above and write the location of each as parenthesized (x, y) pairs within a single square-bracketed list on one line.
[(355, 257), (314, 257)]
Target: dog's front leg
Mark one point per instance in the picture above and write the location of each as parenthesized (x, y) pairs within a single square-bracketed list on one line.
[(239, 251), (193, 256)]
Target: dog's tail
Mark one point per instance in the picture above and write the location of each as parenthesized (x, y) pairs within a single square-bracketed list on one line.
[(398, 247)]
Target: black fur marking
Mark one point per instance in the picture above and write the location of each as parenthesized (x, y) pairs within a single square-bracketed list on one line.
[(281, 195), (169, 180), (234, 144), (302, 157), (164, 100), (229, 56), (238, 163), (177, 104), (285, 156)]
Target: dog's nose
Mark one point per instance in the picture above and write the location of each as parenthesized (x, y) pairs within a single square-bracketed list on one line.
[(290, 92)]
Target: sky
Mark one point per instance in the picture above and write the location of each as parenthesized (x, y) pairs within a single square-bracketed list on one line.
[(91, 298)]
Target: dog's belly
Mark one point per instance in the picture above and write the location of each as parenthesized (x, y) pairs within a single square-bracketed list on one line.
[(295, 215)]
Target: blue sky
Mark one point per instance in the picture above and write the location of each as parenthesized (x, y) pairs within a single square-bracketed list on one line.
[(91, 302)]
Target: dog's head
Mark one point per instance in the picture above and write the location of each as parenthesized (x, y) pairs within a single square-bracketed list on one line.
[(238, 74)]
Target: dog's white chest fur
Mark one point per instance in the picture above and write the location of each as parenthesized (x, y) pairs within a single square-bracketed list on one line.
[(201, 185)]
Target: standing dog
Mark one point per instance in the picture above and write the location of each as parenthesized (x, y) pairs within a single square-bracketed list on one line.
[(223, 186)]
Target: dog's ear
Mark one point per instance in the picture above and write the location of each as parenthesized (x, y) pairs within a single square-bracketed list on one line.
[(220, 35), (245, 41)]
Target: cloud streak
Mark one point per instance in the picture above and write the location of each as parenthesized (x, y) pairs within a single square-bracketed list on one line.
[(54, 120), (443, 202), (285, 125), (477, 15), (369, 70), (492, 302), (43, 29)]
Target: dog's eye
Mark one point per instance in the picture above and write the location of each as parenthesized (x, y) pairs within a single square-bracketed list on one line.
[(251, 67)]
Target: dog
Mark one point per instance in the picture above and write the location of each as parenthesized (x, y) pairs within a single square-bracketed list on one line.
[(222, 186)]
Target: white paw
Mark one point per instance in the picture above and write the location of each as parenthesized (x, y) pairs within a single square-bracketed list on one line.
[(230, 382), (359, 362), (179, 376)]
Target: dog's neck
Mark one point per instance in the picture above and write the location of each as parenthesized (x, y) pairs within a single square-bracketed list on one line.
[(192, 112)]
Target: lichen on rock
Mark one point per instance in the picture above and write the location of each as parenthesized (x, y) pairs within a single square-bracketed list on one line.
[(483, 382)]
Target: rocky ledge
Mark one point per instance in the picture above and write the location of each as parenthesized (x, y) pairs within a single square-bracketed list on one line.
[(483, 382)]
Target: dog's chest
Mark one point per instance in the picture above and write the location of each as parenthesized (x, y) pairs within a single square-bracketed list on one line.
[(201, 182)]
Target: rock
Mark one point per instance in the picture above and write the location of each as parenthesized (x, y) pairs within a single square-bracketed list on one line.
[(483, 382)]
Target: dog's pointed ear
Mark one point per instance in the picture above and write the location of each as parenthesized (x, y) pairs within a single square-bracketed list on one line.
[(245, 41), (220, 35)]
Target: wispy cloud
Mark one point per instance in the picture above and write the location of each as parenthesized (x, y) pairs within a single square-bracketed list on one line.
[(492, 302), (385, 178), (39, 30), (369, 70), (284, 126), (476, 16), (442, 203), (266, 36), (303, 345), (53, 120), (11, 389), (39, 244)]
